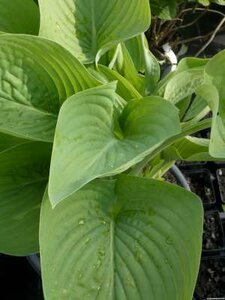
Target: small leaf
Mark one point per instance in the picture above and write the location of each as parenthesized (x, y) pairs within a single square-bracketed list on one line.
[(183, 84), (92, 141), (124, 88), (188, 63), (125, 66), (144, 61), (197, 110), (23, 178), (89, 28), (19, 16), (129, 239), (189, 149), (164, 9)]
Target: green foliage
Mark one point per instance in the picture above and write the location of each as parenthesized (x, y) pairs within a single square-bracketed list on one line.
[(19, 16), (88, 28), (104, 233), (120, 239), (164, 9), (23, 178)]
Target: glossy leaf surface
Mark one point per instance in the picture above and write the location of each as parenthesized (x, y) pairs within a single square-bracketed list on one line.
[(129, 239), (89, 27), (93, 139)]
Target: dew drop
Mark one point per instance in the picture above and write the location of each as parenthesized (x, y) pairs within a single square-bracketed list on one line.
[(101, 252), (58, 26), (87, 241), (138, 257), (81, 222), (131, 283), (65, 291), (166, 261), (80, 275)]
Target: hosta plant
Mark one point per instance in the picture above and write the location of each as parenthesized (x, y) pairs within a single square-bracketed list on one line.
[(87, 129)]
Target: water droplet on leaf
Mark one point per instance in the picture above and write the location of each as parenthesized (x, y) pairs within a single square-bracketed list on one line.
[(81, 222)]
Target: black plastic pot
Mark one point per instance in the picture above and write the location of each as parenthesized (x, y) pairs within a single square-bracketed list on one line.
[(213, 234), (201, 183), (211, 278), (220, 174), (18, 279)]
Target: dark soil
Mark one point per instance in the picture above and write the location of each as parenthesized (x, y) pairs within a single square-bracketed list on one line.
[(170, 178), (212, 232), (200, 184), (221, 182), (211, 279)]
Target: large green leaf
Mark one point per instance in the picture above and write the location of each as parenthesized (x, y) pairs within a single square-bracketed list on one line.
[(133, 239), (36, 76), (19, 16), (88, 28), (91, 142), (23, 178)]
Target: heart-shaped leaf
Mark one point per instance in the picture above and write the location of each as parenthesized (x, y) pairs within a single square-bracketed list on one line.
[(23, 178), (91, 142), (131, 239), (19, 16), (36, 76), (87, 28)]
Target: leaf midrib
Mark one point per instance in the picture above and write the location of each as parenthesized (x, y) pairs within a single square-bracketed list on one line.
[(93, 30)]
